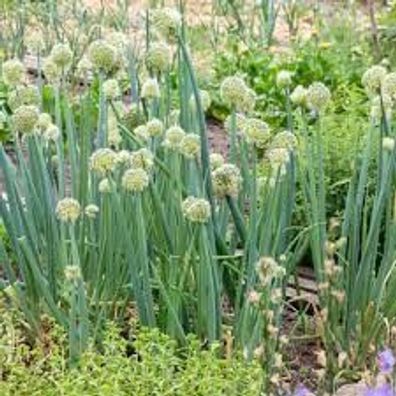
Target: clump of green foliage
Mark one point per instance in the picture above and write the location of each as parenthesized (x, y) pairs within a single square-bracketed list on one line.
[(146, 363)]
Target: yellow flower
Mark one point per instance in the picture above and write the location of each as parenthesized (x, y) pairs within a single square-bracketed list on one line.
[(103, 161), (25, 119), (91, 211), (373, 78), (216, 160), (51, 70), (166, 21), (111, 89), (190, 145), (68, 210), (150, 89), (158, 57), (325, 45), (104, 186), (13, 72), (142, 158), (226, 180), (284, 79), (299, 96), (256, 132), (236, 94), (135, 180), (318, 96), (102, 55), (196, 210), (154, 127), (173, 137), (61, 55)]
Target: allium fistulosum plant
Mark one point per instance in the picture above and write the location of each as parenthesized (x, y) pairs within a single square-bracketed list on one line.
[(354, 257), (116, 210)]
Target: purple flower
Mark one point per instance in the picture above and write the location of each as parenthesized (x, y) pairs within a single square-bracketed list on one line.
[(301, 390), (386, 361), (382, 390)]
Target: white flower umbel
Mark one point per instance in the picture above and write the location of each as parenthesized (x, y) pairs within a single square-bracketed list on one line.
[(196, 210), (68, 210)]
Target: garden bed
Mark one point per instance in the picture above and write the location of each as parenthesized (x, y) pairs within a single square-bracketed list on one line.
[(203, 201)]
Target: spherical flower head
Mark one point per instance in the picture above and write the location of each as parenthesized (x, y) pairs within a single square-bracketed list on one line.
[(389, 85), (111, 89), (196, 210), (135, 180), (284, 79), (155, 127), (299, 96), (233, 91), (205, 100), (13, 72), (150, 89), (68, 210), (51, 133), (318, 96), (142, 158), (44, 121), (388, 144), (248, 101), (61, 55), (119, 42), (285, 139), (256, 132), (34, 41), (102, 55), (30, 95), (173, 137), (91, 211), (166, 21), (104, 186), (23, 95), (51, 70), (216, 160), (103, 161), (123, 157), (72, 273), (190, 145), (380, 103), (25, 119), (226, 181), (386, 361), (372, 79), (278, 158), (84, 66), (141, 132), (158, 57)]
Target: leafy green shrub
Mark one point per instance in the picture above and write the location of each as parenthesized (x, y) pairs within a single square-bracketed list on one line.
[(150, 364), (387, 29)]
